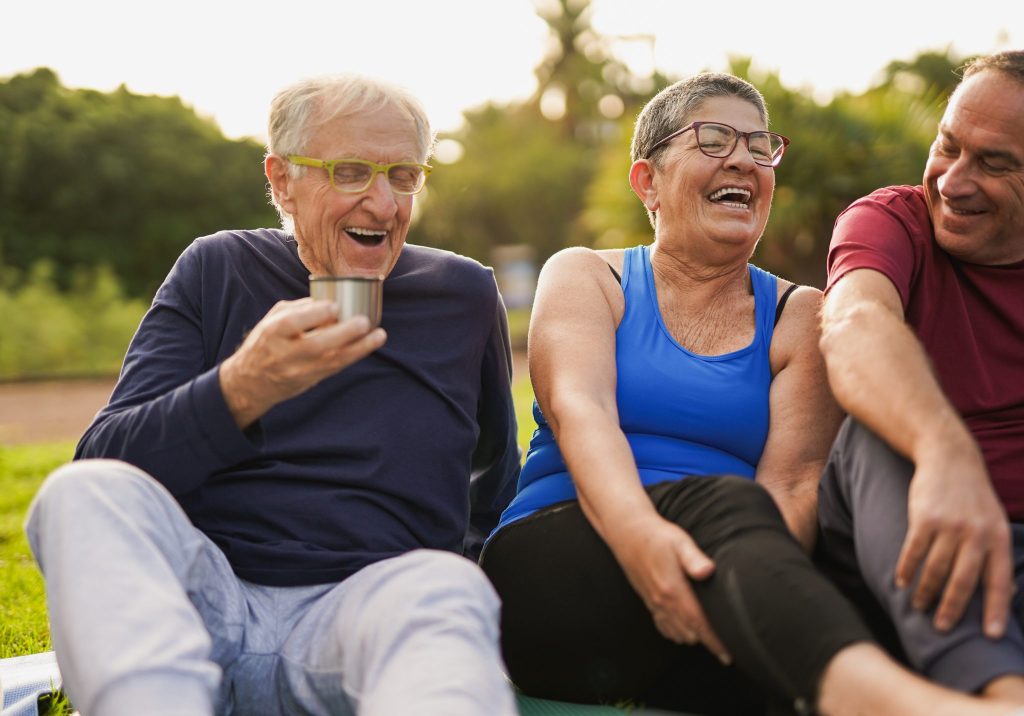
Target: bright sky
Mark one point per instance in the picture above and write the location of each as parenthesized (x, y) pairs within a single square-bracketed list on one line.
[(226, 58)]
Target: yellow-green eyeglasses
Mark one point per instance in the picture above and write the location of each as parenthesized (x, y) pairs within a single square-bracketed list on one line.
[(353, 176)]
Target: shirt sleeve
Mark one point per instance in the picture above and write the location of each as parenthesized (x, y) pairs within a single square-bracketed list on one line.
[(495, 464), (167, 414), (873, 233)]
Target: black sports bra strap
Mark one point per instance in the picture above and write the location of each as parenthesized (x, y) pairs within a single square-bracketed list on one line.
[(615, 274), (782, 303)]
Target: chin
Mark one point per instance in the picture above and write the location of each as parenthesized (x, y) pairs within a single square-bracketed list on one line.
[(368, 273), (372, 270), (743, 238), (964, 247), (377, 264)]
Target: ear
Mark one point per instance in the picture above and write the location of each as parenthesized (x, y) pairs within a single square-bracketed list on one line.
[(641, 178), (276, 169)]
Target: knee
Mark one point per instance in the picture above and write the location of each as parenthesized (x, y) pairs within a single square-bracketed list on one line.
[(75, 490), (743, 493), (717, 509), (82, 481), (750, 505), (740, 501), (433, 579)]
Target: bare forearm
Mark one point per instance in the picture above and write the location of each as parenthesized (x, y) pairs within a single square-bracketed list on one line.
[(603, 470), (880, 375)]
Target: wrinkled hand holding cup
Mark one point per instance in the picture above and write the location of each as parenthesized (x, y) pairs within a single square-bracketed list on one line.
[(353, 295)]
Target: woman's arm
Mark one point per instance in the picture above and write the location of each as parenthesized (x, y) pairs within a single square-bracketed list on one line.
[(572, 364), (804, 416)]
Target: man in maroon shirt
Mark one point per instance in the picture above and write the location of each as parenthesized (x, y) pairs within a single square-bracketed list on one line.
[(924, 342)]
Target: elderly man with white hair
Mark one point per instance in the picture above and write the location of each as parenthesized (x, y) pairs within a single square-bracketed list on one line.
[(273, 513)]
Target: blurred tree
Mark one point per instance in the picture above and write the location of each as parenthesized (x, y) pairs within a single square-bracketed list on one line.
[(524, 169), (519, 181), (840, 152), (581, 85), (118, 179), (931, 72), (612, 213)]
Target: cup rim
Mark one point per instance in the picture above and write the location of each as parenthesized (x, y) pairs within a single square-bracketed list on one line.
[(329, 277)]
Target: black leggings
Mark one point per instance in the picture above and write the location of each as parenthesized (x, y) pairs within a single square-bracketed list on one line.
[(573, 629)]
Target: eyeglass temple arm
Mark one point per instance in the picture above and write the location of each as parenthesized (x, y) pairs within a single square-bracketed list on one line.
[(307, 161)]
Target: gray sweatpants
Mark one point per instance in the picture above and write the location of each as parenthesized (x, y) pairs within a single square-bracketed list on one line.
[(147, 617), (862, 511)]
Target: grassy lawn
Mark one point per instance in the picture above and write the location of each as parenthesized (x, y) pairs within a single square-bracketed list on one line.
[(522, 394), (23, 627)]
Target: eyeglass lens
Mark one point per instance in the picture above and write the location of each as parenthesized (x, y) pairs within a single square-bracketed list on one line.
[(356, 177), (719, 140)]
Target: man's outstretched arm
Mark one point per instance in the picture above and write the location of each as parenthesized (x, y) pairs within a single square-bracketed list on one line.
[(958, 533)]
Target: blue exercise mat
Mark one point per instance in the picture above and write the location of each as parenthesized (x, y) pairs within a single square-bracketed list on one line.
[(529, 706), (542, 707)]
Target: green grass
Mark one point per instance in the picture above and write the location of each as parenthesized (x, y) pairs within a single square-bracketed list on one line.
[(518, 325), (23, 625), (522, 394)]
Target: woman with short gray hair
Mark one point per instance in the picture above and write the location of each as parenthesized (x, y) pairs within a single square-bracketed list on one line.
[(657, 547)]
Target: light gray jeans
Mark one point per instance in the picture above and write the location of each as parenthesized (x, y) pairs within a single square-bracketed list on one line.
[(147, 617), (862, 512)]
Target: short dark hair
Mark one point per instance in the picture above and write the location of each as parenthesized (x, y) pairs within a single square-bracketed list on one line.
[(1010, 63)]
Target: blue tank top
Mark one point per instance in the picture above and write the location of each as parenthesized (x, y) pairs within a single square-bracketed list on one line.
[(683, 414)]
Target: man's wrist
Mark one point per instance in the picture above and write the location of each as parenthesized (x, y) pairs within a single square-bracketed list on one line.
[(239, 403), (947, 441)]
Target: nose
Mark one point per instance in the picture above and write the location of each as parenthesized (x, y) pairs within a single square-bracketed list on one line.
[(957, 180), (740, 156), (379, 199)]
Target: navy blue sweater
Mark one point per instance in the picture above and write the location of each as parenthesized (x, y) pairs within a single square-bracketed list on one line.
[(413, 446)]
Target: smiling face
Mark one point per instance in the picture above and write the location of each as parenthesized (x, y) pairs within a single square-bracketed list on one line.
[(726, 200), (350, 234), (974, 179)]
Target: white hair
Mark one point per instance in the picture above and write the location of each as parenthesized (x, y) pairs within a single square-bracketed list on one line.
[(300, 108)]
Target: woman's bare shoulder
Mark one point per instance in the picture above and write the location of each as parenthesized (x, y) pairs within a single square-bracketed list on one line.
[(799, 327), (581, 261), (803, 303), (579, 275)]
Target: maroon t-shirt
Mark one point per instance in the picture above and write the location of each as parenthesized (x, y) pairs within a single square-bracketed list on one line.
[(969, 318)]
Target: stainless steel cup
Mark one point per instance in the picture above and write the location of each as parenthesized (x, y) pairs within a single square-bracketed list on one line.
[(353, 295)]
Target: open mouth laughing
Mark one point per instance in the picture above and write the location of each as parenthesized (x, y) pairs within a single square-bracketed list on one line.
[(731, 196), (366, 237)]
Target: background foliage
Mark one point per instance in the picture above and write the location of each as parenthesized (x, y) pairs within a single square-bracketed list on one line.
[(80, 331), (100, 192), (90, 178)]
